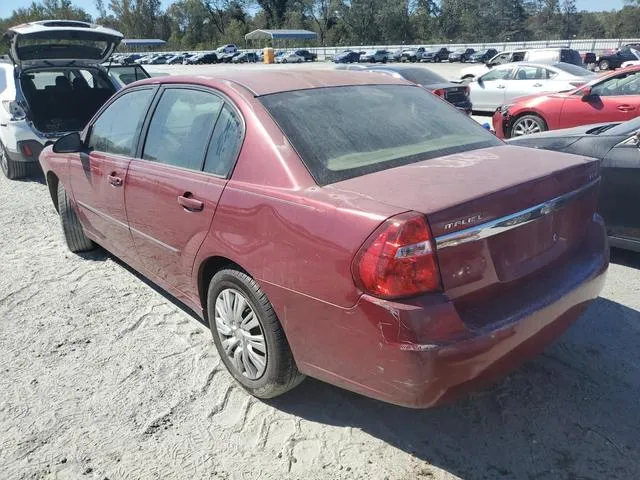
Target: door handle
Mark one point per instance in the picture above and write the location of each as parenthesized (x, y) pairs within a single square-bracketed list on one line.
[(626, 108), (537, 84), (115, 180), (189, 203), (501, 86)]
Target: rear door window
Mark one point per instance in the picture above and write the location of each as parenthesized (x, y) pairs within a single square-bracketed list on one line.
[(181, 126), (225, 143)]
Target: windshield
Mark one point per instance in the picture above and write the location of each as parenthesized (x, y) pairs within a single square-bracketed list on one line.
[(421, 76), (574, 70), (346, 132)]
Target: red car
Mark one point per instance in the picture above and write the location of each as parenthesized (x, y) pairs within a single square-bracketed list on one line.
[(611, 98), (352, 227)]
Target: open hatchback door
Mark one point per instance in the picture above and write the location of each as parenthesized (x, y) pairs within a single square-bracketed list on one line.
[(61, 40)]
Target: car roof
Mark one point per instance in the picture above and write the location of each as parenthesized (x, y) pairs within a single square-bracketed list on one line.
[(269, 82)]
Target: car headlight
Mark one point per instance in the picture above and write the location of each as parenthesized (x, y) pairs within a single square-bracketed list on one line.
[(504, 109)]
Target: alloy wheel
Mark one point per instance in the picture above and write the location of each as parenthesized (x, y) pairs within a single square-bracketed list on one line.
[(240, 333), (526, 126)]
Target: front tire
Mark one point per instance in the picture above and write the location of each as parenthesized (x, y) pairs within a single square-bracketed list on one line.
[(71, 227), (249, 337), (527, 125), (12, 170)]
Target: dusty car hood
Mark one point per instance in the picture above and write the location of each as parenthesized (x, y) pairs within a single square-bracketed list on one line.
[(60, 40)]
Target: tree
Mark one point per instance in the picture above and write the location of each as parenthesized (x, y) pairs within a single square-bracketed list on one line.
[(275, 11), (570, 19)]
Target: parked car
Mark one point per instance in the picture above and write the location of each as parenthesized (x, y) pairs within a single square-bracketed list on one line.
[(439, 55), (616, 146), (456, 94), (375, 56), (307, 55), (123, 75), (289, 57), (174, 60), (505, 83), (412, 55), (246, 57), (53, 86), (160, 60), (616, 59), (394, 228), (347, 57), (228, 48), (228, 57), (203, 59), (131, 58), (461, 55), (612, 98), (397, 55), (469, 73), (483, 56), (546, 56)]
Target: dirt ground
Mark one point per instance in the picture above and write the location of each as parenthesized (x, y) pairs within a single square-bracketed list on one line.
[(102, 376)]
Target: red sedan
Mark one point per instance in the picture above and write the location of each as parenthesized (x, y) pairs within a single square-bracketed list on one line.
[(352, 227), (612, 98)]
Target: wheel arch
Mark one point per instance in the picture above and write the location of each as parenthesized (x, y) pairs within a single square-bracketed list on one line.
[(207, 269)]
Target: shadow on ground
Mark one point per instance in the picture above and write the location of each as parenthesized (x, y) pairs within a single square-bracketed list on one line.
[(572, 413)]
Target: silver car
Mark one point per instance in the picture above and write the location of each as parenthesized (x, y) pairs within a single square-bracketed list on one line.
[(503, 83)]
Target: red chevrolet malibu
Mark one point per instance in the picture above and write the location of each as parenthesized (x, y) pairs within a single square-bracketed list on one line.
[(614, 97), (351, 227)]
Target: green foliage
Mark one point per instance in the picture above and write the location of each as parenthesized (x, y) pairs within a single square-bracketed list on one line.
[(205, 24)]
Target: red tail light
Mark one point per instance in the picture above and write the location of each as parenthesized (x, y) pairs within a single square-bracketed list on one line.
[(439, 92), (398, 259), (467, 91)]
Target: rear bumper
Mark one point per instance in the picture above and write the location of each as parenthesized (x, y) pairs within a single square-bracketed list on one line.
[(419, 352)]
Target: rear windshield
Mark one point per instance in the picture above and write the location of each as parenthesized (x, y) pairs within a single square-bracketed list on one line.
[(61, 48), (574, 70), (421, 76), (346, 132)]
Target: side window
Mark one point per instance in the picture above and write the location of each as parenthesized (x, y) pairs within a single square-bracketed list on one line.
[(626, 84), (534, 73), (116, 130), (518, 56), (225, 143), (498, 74), (181, 126)]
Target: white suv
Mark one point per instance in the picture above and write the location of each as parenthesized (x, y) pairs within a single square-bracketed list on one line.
[(52, 86)]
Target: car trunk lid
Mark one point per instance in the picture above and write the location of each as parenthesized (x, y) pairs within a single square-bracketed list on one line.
[(498, 215), (54, 41)]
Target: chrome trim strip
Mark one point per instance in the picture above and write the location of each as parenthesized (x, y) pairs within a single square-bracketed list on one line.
[(103, 215), (503, 224), (155, 240), (124, 225)]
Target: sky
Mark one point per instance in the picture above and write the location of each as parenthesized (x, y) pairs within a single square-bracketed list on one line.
[(7, 6)]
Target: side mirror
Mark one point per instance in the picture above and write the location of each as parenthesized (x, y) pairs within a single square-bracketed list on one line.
[(479, 81), (70, 143), (586, 94)]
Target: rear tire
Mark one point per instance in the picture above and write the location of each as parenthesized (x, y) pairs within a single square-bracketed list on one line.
[(71, 227), (12, 170), (527, 125), (255, 319), (604, 65)]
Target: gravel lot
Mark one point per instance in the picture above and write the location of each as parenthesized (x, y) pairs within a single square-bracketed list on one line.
[(103, 376)]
